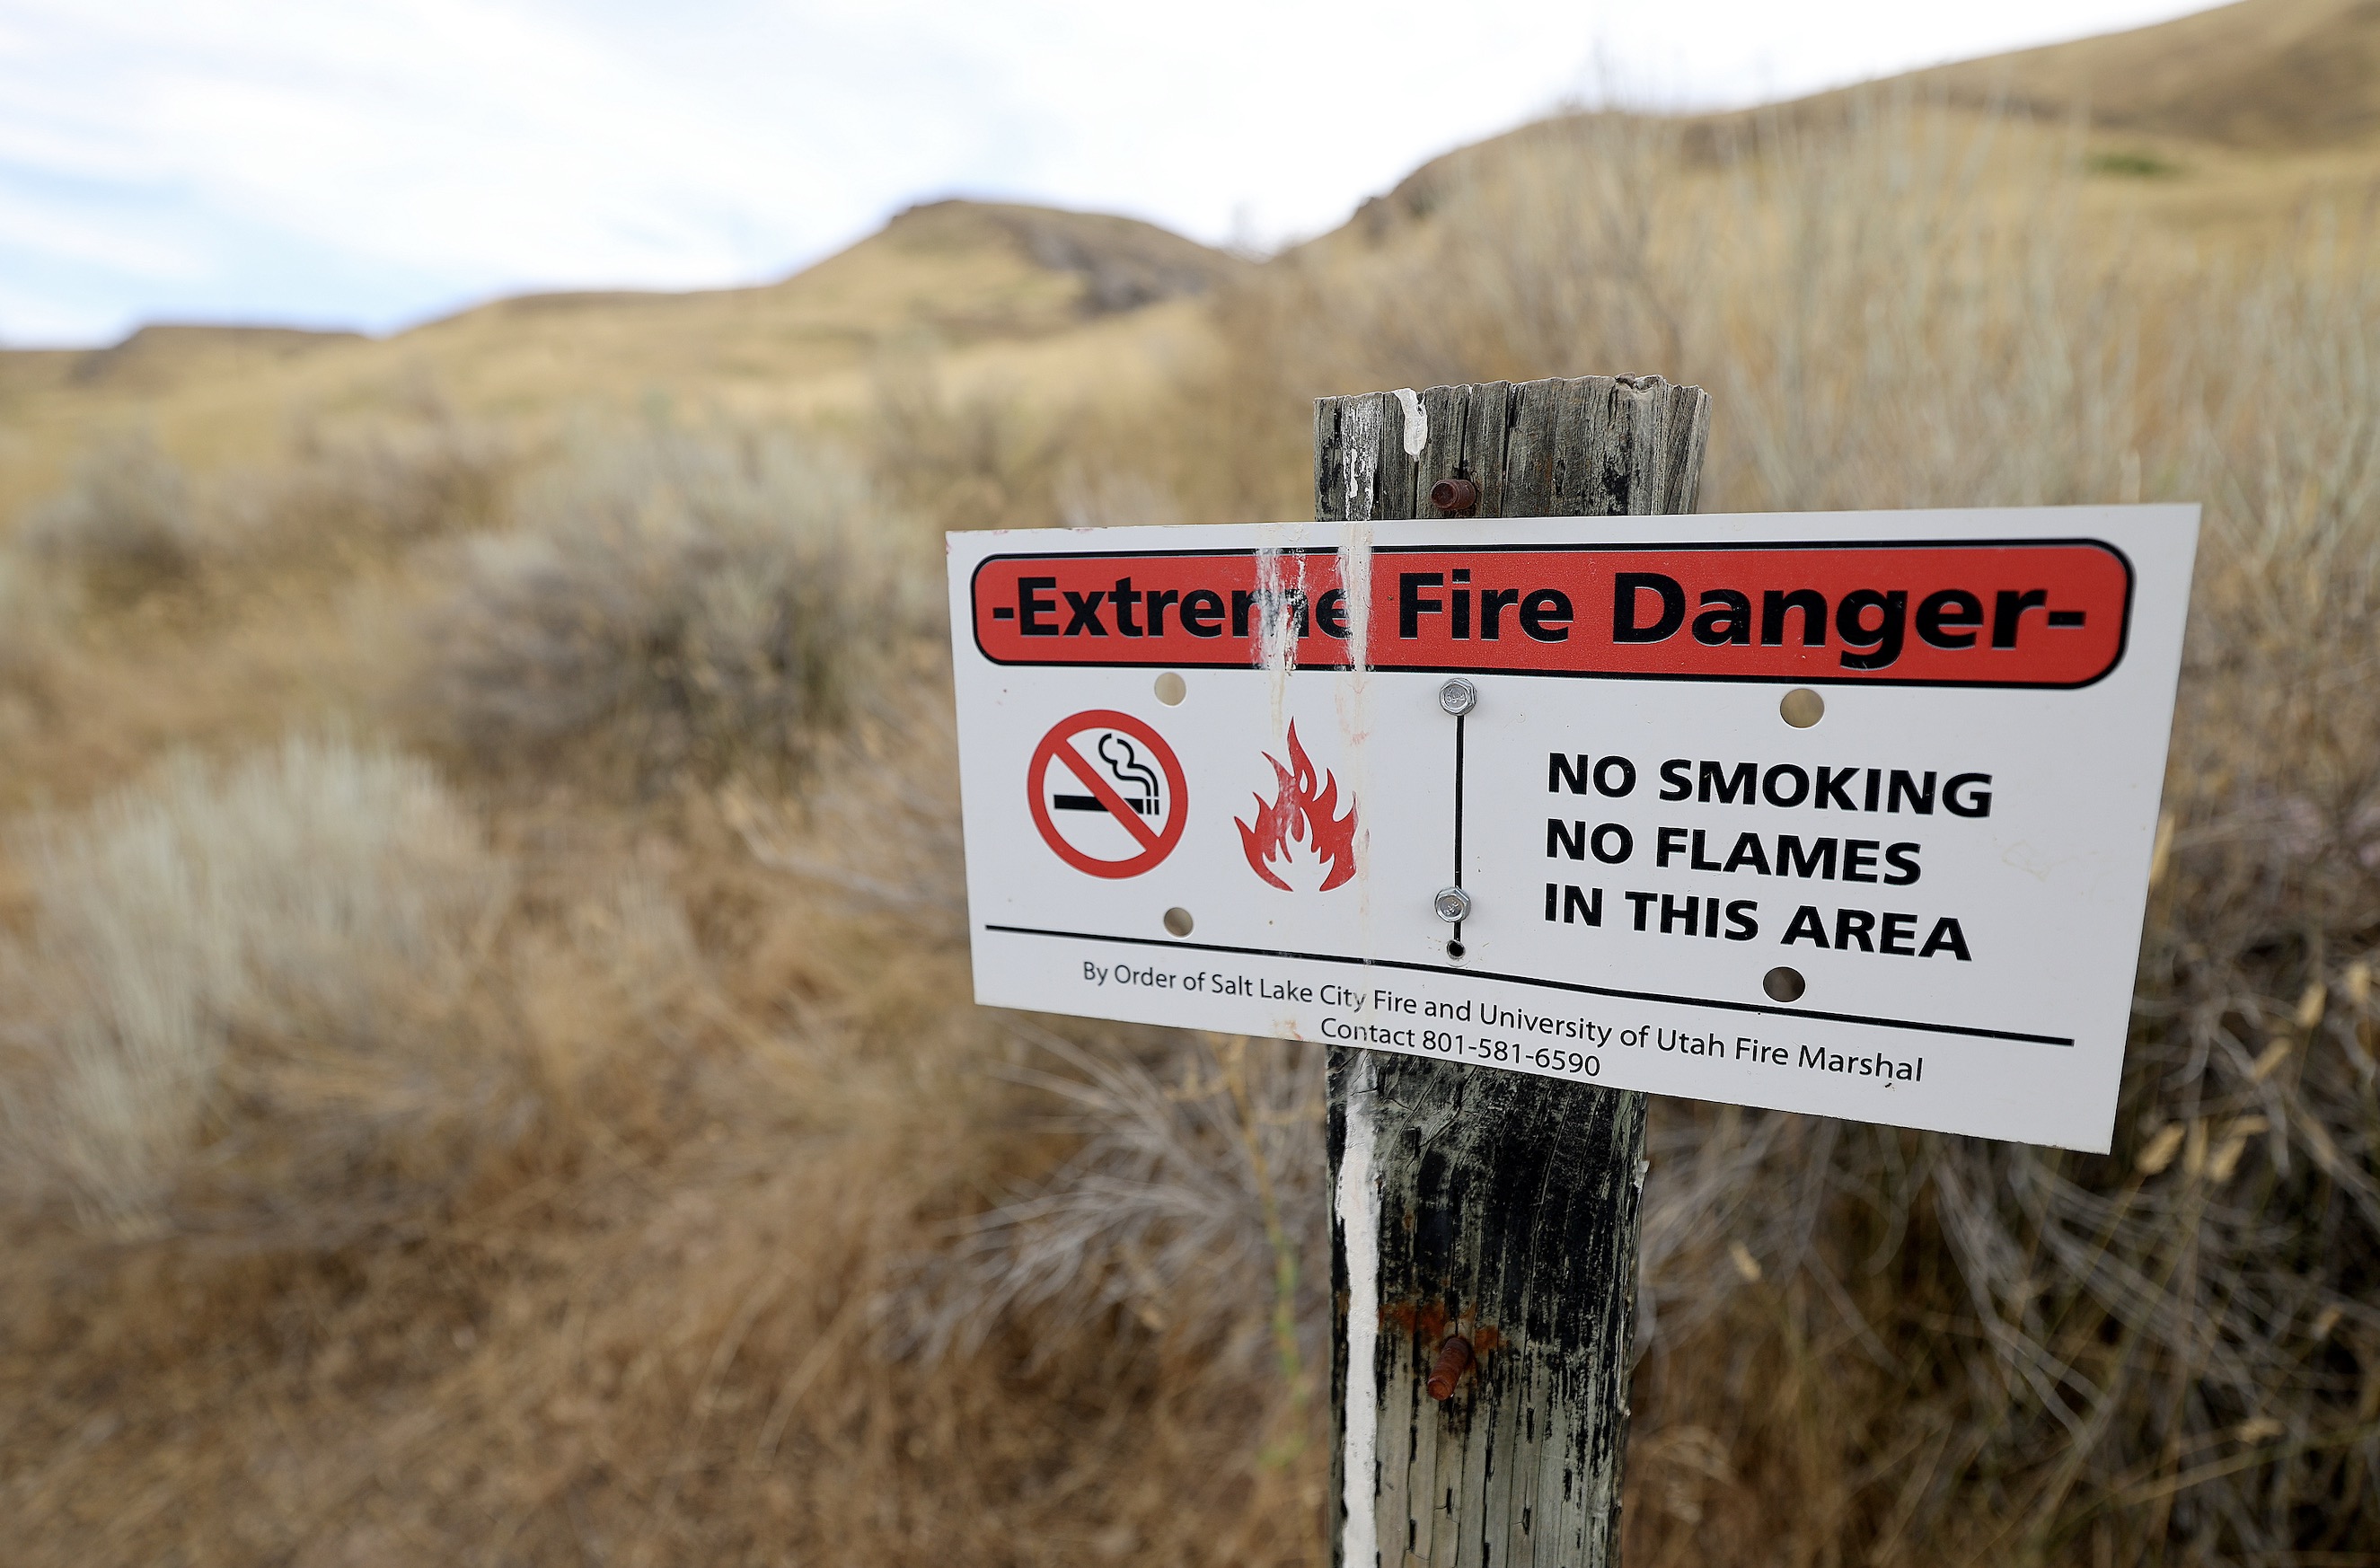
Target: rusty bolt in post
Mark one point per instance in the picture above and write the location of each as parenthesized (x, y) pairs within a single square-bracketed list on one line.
[(1454, 495), (1453, 1360)]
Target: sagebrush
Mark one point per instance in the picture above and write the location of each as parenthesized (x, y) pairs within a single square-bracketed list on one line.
[(670, 607), (267, 952)]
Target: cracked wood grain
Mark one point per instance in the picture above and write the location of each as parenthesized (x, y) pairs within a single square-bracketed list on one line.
[(1474, 1200)]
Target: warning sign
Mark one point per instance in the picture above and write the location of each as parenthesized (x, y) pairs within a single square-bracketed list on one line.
[(1107, 793), (1840, 813)]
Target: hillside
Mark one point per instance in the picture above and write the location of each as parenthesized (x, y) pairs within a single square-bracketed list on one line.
[(964, 283), (2227, 126), (2286, 76)]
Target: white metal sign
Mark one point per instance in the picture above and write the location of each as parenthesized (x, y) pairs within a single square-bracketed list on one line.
[(1844, 813)]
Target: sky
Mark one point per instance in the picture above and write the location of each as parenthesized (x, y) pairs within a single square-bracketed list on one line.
[(370, 164)]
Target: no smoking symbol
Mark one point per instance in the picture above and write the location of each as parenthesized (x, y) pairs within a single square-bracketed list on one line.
[(1108, 794)]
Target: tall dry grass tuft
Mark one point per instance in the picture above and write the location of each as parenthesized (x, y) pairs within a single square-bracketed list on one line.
[(672, 607), (1194, 1180), (240, 967)]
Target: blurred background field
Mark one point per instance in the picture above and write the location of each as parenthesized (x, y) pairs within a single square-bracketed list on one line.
[(486, 1069)]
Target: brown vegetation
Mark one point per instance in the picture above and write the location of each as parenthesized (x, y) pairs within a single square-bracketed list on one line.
[(590, 1154)]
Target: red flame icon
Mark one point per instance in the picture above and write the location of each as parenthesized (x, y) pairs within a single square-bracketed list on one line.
[(1300, 814)]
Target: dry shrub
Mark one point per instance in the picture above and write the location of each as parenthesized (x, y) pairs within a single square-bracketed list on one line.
[(124, 529), (1195, 1178), (880, 826), (971, 459), (995, 456), (339, 501), (1182, 1233), (245, 977), (674, 607), (1012, 455)]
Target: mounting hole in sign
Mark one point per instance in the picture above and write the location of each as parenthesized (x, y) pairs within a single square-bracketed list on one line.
[(1803, 708), (1454, 948), (1177, 920), (1783, 984), (1171, 689)]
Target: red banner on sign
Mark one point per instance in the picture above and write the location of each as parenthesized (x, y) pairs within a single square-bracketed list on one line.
[(2026, 613)]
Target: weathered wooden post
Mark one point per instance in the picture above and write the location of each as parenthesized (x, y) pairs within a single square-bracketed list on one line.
[(1484, 1225)]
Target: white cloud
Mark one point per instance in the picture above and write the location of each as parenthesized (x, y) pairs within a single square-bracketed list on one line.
[(373, 161)]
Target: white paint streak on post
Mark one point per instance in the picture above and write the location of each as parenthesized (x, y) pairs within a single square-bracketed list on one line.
[(1355, 1193), (1416, 421), (1356, 1209)]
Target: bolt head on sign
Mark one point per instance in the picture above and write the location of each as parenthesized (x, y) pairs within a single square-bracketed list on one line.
[(1841, 813)]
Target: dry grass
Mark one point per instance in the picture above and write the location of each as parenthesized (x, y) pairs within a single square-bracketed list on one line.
[(601, 1161)]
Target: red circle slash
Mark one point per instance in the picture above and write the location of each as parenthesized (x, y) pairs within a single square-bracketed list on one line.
[(1156, 843)]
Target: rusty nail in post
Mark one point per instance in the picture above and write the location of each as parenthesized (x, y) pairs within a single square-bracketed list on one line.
[(1453, 1360), (1454, 495)]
